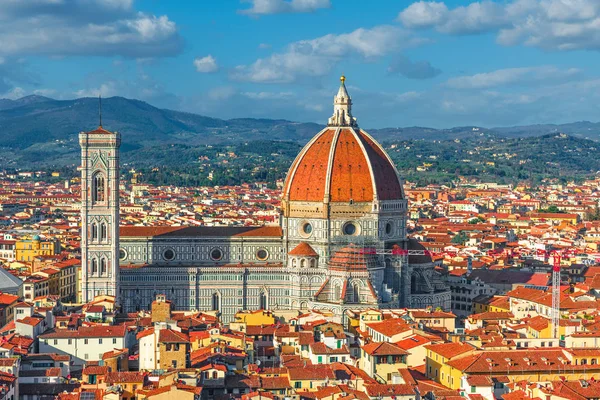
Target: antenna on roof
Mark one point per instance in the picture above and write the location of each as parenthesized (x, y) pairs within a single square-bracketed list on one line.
[(100, 108)]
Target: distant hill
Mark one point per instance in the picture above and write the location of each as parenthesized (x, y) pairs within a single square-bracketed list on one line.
[(583, 129), (37, 130)]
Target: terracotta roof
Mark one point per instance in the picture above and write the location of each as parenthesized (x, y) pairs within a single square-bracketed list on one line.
[(171, 336), (125, 377), (8, 362), (260, 330), (449, 350), (390, 327), (499, 362), (412, 342), (310, 372), (303, 249), (95, 370), (87, 331), (31, 321), (322, 348), (431, 314), (383, 349), (352, 258), (381, 390), (114, 353), (144, 333), (275, 382), (575, 390), (99, 131), (7, 299), (492, 315), (356, 161)]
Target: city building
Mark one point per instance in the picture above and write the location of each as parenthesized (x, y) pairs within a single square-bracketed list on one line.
[(342, 195), (27, 249)]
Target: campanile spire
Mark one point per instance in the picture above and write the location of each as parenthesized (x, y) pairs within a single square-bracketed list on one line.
[(342, 107)]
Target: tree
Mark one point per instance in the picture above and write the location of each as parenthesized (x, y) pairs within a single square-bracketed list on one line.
[(552, 209), (460, 238)]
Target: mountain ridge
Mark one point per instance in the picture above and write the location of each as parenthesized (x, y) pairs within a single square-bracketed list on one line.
[(48, 127)]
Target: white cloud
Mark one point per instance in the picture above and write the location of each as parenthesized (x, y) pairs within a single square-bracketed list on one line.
[(85, 27), (107, 89), (268, 95), (221, 93), (264, 7), (423, 14), (45, 92), (318, 56), (206, 64), (312, 107), (413, 69), (547, 24), (13, 94), (512, 76), (474, 18)]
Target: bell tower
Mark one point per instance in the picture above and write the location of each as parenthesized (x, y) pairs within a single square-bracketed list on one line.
[(99, 213)]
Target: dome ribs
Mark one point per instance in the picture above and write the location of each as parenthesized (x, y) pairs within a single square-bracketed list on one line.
[(386, 178), (308, 181), (348, 181)]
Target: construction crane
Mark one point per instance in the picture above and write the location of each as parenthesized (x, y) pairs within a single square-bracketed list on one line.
[(556, 296), (555, 311)]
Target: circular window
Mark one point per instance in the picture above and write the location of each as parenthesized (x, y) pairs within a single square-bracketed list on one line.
[(169, 255), (349, 228), (388, 228), (307, 228), (122, 254), (216, 254), (262, 254)]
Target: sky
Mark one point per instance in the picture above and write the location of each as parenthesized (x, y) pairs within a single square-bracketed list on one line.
[(407, 63)]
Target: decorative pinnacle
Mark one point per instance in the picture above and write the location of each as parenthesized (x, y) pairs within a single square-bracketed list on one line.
[(100, 109), (342, 78)]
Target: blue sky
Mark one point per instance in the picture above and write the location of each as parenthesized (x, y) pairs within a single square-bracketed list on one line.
[(426, 63)]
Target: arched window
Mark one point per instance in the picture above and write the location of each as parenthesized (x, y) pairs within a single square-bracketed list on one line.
[(294, 263), (356, 294), (214, 374), (98, 187), (262, 301), (103, 231), (337, 292), (216, 302), (302, 263), (94, 266), (313, 263), (94, 231), (103, 266)]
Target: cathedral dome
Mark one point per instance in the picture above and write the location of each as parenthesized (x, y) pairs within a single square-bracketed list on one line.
[(352, 258), (342, 164)]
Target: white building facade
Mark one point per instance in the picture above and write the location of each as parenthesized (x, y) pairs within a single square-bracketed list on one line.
[(342, 195)]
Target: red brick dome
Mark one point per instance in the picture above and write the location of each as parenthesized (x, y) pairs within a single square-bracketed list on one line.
[(342, 164), (352, 258)]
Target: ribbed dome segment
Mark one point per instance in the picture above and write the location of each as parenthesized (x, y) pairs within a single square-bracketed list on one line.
[(352, 258), (342, 165), (303, 249)]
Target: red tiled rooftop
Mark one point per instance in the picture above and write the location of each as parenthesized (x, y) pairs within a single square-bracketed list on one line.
[(303, 249)]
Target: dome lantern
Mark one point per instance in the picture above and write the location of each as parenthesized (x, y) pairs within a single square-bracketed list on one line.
[(342, 107)]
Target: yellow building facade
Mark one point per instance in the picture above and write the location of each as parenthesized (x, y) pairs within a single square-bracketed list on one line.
[(27, 249)]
